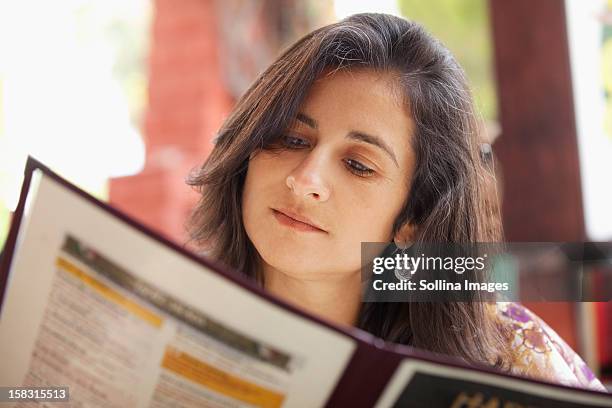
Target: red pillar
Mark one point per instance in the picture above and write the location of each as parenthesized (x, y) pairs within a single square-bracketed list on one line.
[(187, 103), (538, 150)]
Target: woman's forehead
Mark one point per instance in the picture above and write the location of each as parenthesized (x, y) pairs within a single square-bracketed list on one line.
[(384, 83), (362, 97)]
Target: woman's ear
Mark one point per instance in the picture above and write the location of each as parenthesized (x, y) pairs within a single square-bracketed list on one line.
[(406, 234)]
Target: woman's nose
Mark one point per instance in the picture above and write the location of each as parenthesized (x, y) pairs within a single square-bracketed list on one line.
[(307, 179)]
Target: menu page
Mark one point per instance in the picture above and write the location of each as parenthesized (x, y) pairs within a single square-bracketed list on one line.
[(420, 384), (123, 320)]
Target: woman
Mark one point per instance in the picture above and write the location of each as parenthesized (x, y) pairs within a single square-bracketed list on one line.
[(363, 131)]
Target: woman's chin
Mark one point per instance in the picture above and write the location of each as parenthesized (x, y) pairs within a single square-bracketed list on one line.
[(312, 269), (295, 267)]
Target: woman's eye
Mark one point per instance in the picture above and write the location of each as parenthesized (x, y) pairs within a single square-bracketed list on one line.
[(294, 142), (358, 168)]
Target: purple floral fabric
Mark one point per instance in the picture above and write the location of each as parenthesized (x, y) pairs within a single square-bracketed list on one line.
[(540, 352)]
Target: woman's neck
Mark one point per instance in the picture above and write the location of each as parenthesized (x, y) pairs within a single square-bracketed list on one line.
[(338, 301)]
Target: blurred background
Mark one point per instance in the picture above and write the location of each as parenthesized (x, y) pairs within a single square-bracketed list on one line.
[(124, 99)]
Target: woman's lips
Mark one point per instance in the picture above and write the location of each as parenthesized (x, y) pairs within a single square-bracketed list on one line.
[(290, 222)]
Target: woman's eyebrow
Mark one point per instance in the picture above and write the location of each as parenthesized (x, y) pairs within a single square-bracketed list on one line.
[(355, 135), (307, 120), (373, 140)]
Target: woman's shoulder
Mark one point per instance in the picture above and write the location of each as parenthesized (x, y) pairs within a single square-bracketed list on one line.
[(539, 352)]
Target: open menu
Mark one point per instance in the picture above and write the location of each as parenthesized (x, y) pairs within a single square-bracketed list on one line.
[(95, 302)]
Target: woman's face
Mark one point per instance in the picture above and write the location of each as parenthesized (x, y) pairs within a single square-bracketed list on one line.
[(338, 176)]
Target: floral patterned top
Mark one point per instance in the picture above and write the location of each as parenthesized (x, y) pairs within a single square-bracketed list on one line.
[(540, 353)]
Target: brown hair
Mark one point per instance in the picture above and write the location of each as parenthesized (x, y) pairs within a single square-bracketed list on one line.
[(447, 200)]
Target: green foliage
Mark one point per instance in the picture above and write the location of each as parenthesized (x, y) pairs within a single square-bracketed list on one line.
[(128, 36), (606, 70), (463, 27), (607, 80)]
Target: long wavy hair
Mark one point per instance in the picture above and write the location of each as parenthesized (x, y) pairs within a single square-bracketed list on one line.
[(448, 201)]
